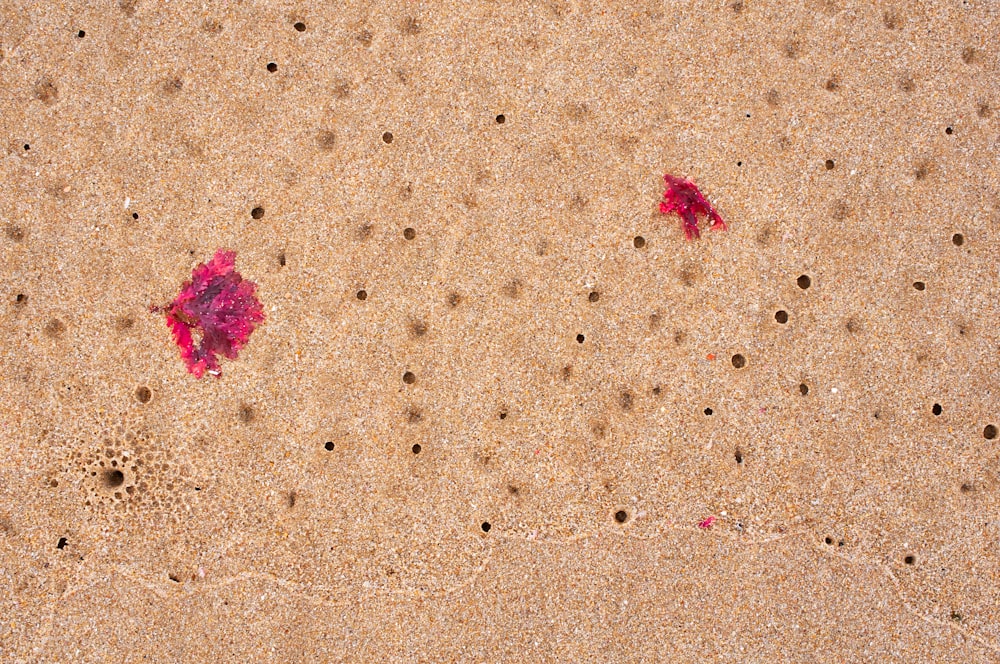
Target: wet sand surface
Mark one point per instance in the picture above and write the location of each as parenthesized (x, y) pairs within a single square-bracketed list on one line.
[(500, 409)]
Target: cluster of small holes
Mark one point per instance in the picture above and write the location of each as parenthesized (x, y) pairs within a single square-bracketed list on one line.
[(121, 469)]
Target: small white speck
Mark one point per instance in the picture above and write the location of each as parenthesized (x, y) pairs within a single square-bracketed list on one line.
[(128, 201), (854, 171), (834, 390)]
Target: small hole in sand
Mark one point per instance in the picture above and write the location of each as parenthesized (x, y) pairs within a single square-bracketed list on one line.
[(246, 414), (409, 378), (501, 119), (781, 316), (81, 34), (580, 338), (61, 544), (257, 213), (958, 239), (272, 67), (739, 361), (919, 285), (829, 164), (989, 432), (708, 411), (143, 394), (416, 448), (594, 296), (387, 137), (362, 295), (909, 560), (409, 233), (949, 131), (739, 455), (621, 516), (486, 526), (936, 409), (639, 242), (803, 389), (804, 281), (300, 26), (111, 479), (329, 446)]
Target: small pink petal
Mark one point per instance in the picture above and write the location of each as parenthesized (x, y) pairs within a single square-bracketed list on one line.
[(707, 523)]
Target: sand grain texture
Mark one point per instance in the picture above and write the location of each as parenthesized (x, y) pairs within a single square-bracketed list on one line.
[(496, 390)]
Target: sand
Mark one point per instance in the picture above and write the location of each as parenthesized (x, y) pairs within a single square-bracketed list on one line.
[(534, 490)]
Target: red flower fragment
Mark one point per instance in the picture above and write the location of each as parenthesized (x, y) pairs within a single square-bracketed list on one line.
[(682, 196), (218, 305)]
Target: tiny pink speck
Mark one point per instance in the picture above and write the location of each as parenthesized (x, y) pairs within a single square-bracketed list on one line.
[(707, 523)]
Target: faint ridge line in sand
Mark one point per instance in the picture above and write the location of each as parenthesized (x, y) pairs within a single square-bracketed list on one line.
[(903, 600)]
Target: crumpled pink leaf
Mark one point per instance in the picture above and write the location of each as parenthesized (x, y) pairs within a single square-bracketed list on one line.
[(221, 307), (682, 196)]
